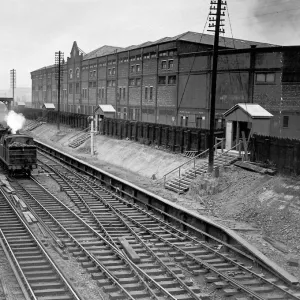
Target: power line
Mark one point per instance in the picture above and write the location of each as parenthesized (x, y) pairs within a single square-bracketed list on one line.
[(270, 13)]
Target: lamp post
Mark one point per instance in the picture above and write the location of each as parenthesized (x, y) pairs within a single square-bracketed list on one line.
[(59, 57), (13, 75)]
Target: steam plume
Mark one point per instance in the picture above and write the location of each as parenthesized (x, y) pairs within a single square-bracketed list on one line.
[(14, 121)]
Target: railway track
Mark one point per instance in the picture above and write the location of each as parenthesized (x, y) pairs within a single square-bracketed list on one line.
[(118, 218), (39, 278), (116, 274)]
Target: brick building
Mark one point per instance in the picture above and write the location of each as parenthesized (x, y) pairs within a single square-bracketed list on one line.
[(168, 81)]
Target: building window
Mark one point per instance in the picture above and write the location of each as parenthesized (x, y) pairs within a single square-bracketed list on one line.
[(138, 57), (109, 62), (109, 71), (163, 64), (120, 60), (102, 93), (132, 58), (120, 93), (132, 68), (113, 61), (71, 74), (171, 64), (77, 73), (151, 93), (124, 93), (161, 79), (265, 77), (285, 122), (91, 74), (113, 71), (138, 81), (109, 83), (153, 54), (125, 59), (146, 93), (131, 82), (94, 84), (94, 74), (77, 87), (90, 84), (147, 56), (164, 53), (172, 80), (70, 88), (138, 68), (113, 83)]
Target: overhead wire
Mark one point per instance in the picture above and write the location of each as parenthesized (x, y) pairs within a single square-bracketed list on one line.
[(191, 68)]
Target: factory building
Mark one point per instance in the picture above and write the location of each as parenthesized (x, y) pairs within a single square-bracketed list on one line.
[(168, 81)]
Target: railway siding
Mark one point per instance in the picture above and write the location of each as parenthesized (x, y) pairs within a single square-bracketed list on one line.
[(171, 212)]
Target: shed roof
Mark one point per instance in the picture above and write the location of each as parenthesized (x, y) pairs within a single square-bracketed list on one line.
[(21, 103), (49, 105), (105, 108), (255, 111)]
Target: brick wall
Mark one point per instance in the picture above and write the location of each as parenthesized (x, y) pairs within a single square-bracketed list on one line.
[(134, 95)]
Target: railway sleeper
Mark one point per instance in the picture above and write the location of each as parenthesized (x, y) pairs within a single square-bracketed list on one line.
[(48, 292), (42, 279)]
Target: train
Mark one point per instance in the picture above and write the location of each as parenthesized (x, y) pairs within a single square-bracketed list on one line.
[(18, 153)]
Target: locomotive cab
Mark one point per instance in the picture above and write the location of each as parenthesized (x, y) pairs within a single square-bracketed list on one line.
[(18, 153)]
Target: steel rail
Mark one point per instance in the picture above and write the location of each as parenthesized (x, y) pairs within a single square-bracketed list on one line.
[(90, 254), (201, 262), (24, 284), (108, 236), (150, 206), (58, 272), (182, 283), (185, 235)]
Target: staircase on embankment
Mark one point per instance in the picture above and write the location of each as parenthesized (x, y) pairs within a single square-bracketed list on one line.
[(80, 140), (182, 182), (34, 124)]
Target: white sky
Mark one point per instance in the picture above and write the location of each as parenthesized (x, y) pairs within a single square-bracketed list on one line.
[(32, 30)]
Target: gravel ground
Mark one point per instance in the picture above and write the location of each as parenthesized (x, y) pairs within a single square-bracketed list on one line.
[(255, 205)]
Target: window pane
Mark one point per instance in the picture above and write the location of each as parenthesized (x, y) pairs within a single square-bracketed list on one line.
[(270, 77), (261, 77)]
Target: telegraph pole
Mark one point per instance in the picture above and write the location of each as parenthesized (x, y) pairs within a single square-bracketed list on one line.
[(216, 23), (59, 57), (13, 75)]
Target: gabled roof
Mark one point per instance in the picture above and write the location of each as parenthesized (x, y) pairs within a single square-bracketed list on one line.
[(104, 50), (49, 105), (189, 36), (255, 111), (105, 108)]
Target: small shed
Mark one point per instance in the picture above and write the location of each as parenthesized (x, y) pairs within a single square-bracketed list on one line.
[(48, 106), (21, 104), (103, 111), (248, 118)]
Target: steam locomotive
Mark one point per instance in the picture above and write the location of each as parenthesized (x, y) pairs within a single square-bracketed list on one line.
[(18, 152)]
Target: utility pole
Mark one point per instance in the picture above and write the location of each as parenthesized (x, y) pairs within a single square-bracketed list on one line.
[(13, 78), (216, 23), (59, 57)]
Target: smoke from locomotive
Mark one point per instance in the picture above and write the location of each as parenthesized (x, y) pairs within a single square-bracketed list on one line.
[(15, 121)]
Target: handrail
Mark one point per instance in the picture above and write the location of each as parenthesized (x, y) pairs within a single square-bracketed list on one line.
[(238, 144), (80, 132), (192, 159), (204, 165)]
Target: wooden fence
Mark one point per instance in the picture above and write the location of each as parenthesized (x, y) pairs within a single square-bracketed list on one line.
[(284, 153), (174, 138)]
